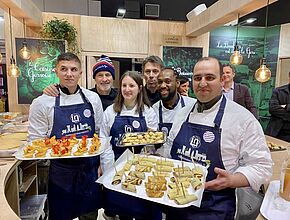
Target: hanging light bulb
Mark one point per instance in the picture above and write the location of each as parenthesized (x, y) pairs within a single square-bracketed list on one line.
[(24, 52), (263, 74), (236, 58), (13, 70)]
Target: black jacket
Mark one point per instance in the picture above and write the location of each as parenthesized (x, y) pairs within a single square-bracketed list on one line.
[(279, 114)]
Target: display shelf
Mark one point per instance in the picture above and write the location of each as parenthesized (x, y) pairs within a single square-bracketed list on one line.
[(27, 181), (32, 207)]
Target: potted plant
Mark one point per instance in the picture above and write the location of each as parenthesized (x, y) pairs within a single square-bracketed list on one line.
[(61, 29)]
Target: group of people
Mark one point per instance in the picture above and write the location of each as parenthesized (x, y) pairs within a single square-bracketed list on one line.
[(222, 131)]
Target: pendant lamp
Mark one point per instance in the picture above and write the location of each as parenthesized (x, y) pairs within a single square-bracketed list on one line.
[(263, 74), (24, 52), (13, 70), (236, 58)]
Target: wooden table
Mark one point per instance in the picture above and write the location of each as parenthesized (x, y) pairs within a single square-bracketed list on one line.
[(278, 157)]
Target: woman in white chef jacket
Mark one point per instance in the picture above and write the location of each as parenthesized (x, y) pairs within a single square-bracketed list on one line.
[(131, 112)]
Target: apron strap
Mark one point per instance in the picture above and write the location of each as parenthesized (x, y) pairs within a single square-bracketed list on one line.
[(84, 98), (219, 115), (160, 107)]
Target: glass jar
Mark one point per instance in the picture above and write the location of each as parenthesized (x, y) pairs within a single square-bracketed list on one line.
[(285, 178)]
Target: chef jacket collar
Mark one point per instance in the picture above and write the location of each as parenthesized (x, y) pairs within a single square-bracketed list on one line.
[(207, 105)]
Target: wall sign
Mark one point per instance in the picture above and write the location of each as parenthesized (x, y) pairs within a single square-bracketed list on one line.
[(182, 59), (37, 72)]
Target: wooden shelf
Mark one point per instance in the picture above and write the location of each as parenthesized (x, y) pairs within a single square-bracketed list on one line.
[(27, 181)]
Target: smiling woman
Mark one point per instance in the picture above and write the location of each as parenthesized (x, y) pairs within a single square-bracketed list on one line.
[(131, 112)]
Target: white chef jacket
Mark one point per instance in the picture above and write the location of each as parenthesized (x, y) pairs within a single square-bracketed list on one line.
[(109, 118), (243, 144), (41, 114), (168, 114)]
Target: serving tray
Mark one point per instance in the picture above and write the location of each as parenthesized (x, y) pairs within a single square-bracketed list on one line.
[(107, 177), (134, 139), (273, 206), (20, 155)]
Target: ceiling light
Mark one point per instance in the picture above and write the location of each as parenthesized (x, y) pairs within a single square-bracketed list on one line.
[(251, 20), (263, 74), (121, 13), (236, 58), (1, 18), (13, 70), (24, 52)]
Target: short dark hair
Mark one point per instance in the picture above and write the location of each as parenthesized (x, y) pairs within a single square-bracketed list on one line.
[(183, 79), (68, 56), (208, 59), (231, 66), (171, 69), (152, 59), (142, 98)]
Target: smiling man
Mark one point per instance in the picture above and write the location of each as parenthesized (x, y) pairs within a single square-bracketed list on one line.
[(237, 92), (72, 191), (171, 101), (224, 133), (104, 74)]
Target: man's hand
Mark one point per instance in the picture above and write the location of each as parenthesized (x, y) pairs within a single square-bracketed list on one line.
[(51, 90), (222, 181), (225, 179)]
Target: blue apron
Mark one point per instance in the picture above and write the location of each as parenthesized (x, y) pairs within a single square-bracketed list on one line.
[(124, 124), (72, 190), (118, 203), (166, 127), (202, 143)]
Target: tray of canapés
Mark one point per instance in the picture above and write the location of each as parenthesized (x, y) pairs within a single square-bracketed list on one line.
[(169, 182), (132, 139), (275, 147), (66, 147)]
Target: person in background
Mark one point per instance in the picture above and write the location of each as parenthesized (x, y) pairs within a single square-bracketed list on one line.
[(72, 191), (130, 113), (151, 68), (227, 136), (171, 101), (183, 85), (103, 74), (237, 92), (279, 108)]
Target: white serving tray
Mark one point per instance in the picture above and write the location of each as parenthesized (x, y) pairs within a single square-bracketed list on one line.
[(104, 143), (107, 177), (273, 206)]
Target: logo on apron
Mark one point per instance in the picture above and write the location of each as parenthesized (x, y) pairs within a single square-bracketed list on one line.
[(165, 129), (128, 128), (195, 142), (208, 136), (87, 113), (136, 124), (75, 117)]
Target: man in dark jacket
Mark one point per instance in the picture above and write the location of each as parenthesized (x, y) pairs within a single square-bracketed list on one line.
[(237, 92), (279, 107)]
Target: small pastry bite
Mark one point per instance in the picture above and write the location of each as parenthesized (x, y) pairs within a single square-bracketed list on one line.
[(181, 200), (129, 187)]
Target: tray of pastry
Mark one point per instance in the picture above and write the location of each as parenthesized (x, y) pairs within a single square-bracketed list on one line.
[(169, 182), (275, 147), (133, 139), (66, 147)]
